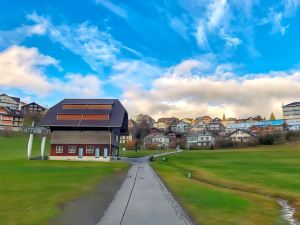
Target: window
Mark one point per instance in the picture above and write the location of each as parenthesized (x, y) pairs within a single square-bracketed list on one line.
[(117, 138), (72, 149), (59, 149), (89, 149)]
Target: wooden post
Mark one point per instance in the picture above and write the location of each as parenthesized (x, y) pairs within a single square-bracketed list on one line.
[(29, 147), (43, 147)]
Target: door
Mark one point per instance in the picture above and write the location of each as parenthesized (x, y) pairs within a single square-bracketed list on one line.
[(80, 152), (105, 152), (97, 152)]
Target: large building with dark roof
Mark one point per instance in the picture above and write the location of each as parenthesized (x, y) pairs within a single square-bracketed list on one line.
[(11, 119), (33, 108), (86, 129), (291, 111), (10, 102)]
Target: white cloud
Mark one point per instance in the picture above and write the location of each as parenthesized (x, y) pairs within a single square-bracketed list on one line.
[(78, 85), (215, 13), (231, 41), (113, 8), (276, 19), (23, 68), (180, 26), (194, 95), (19, 34), (290, 6), (131, 73), (201, 35), (187, 67), (278, 15), (96, 48)]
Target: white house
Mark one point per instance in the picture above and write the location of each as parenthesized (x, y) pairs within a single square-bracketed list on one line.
[(181, 127), (202, 139), (161, 126), (293, 124), (10, 102), (159, 139), (241, 136)]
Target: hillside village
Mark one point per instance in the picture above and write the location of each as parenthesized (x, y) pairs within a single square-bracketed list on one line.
[(144, 132), (208, 133)]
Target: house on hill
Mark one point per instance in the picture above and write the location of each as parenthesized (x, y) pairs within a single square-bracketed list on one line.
[(241, 136), (161, 126), (204, 119), (86, 129), (158, 140), (202, 139), (181, 127), (11, 119), (10, 102), (33, 108), (168, 120)]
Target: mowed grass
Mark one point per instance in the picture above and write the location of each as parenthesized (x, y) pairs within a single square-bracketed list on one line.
[(234, 186), (32, 192), (141, 153)]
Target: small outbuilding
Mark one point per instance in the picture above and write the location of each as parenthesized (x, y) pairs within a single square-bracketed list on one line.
[(86, 129)]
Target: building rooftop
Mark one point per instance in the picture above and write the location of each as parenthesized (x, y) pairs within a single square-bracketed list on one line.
[(292, 104), (97, 113)]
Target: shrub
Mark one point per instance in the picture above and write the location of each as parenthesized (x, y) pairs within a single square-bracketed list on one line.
[(292, 135), (267, 140), (130, 145), (152, 146), (6, 133), (221, 142)]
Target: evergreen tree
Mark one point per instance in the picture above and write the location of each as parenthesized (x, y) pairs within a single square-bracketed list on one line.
[(272, 116), (224, 117)]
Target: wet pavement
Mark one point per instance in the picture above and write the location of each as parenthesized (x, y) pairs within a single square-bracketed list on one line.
[(144, 200)]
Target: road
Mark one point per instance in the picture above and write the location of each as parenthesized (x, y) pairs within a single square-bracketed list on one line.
[(144, 200)]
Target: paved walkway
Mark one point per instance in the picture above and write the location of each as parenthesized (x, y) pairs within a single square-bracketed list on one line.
[(144, 200)]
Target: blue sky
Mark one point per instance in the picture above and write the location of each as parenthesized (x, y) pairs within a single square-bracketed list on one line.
[(164, 58)]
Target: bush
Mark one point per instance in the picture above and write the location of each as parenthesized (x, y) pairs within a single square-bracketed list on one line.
[(6, 133), (130, 145), (245, 144), (221, 142), (292, 135), (267, 140), (152, 146)]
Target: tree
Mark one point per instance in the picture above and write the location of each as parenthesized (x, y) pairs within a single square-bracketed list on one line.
[(272, 116), (142, 131), (224, 117), (130, 145)]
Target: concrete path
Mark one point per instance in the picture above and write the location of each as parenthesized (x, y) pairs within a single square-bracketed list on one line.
[(144, 200)]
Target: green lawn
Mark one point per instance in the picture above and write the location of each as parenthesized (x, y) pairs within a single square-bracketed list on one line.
[(231, 186), (141, 153), (31, 191)]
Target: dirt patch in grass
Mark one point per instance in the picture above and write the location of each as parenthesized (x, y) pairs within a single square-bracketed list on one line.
[(90, 208)]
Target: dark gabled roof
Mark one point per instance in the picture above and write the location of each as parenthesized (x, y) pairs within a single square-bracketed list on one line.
[(13, 112), (33, 103), (245, 131), (293, 104), (116, 114), (14, 98)]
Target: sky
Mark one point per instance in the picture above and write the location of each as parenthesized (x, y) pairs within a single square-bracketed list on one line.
[(159, 57)]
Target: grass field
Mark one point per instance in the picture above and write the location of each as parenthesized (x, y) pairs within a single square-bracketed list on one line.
[(32, 191), (140, 153), (232, 186)]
